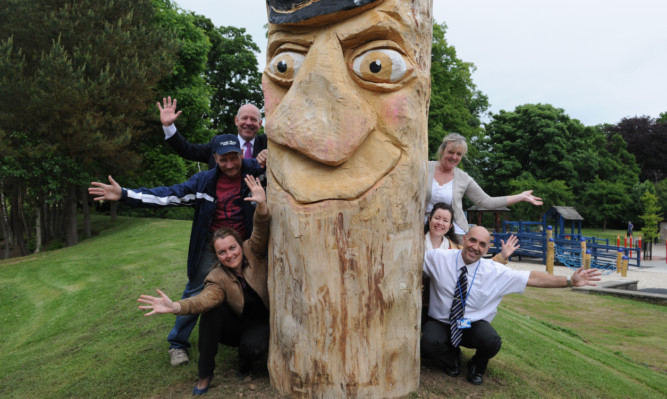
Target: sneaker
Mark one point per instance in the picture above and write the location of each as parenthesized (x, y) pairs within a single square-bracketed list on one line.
[(178, 356)]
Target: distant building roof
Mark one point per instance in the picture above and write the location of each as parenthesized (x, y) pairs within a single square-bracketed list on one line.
[(566, 212)]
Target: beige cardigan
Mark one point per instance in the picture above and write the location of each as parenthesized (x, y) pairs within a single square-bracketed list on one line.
[(464, 185)]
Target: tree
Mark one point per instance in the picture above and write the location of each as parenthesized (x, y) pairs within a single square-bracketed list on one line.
[(83, 77), (647, 140), (553, 193), (535, 138), (661, 193), (650, 217), (456, 105), (231, 72), (605, 200)]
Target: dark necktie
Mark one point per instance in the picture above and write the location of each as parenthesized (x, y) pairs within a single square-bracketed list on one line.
[(248, 150), (457, 307)]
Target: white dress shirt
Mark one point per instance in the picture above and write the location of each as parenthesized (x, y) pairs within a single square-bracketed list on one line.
[(488, 283)]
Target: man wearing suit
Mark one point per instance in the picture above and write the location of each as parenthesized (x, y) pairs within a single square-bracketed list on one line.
[(248, 120)]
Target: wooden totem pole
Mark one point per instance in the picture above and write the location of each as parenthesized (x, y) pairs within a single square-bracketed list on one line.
[(347, 88)]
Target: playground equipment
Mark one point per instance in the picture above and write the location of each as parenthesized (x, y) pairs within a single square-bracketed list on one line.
[(572, 250)]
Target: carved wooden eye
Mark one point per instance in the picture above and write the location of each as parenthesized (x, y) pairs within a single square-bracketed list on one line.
[(284, 66), (381, 66)]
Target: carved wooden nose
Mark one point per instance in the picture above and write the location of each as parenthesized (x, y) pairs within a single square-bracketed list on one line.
[(322, 115)]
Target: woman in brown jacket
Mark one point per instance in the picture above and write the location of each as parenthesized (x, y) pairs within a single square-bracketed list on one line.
[(234, 304)]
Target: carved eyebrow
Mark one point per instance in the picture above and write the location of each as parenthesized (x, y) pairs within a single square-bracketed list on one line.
[(387, 28)]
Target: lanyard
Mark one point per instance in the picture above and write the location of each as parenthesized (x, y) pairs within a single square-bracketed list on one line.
[(463, 302)]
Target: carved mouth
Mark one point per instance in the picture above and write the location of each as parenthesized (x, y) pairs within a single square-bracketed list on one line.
[(308, 181)]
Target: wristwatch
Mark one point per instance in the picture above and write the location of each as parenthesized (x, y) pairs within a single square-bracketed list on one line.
[(569, 282)]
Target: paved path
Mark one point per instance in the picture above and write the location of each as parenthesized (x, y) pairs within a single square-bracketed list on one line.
[(651, 275)]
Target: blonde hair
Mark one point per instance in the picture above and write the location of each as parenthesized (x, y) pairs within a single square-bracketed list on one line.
[(455, 139)]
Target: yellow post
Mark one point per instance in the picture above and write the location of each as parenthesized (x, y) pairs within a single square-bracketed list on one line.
[(550, 256), (619, 257), (624, 268), (550, 250), (583, 251), (587, 260)]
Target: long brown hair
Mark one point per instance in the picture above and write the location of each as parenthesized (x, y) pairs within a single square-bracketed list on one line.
[(449, 234), (223, 233)]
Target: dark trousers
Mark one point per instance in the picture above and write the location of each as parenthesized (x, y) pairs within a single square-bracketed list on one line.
[(221, 325), (436, 343)]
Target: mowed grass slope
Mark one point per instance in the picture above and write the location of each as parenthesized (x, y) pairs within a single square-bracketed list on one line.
[(70, 328)]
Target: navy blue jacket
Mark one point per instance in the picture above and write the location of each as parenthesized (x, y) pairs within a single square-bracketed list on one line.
[(198, 191), (204, 152)]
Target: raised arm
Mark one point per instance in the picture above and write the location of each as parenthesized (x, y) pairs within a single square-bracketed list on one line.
[(257, 195), (110, 192), (579, 278), (526, 196), (168, 114), (159, 305)]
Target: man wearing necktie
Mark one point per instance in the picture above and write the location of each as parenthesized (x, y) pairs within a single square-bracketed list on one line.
[(465, 293), (248, 120)]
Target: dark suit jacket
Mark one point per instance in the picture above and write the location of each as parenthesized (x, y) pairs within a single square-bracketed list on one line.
[(204, 152)]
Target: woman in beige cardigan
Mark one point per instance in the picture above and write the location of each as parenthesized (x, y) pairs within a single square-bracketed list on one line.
[(235, 301), (447, 183)]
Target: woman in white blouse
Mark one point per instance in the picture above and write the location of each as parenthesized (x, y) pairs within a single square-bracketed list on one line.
[(447, 183)]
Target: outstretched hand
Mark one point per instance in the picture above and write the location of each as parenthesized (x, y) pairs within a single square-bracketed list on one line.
[(510, 246), (158, 305), (111, 192), (527, 196), (583, 277), (168, 114)]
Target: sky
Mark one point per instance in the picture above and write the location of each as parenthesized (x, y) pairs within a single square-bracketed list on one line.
[(600, 61)]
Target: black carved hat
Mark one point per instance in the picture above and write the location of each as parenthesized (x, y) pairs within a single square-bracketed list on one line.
[(293, 11)]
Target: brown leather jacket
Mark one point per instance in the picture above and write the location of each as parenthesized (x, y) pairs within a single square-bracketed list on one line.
[(222, 286)]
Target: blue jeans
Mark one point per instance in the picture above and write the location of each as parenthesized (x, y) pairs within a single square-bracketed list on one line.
[(179, 335)]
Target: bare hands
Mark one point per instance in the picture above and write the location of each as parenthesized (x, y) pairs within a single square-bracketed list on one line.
[(583, 277), (257, 193), (111, 192), (510, 246), (168, 114), (158, 305), (262, 157), (527, 196)]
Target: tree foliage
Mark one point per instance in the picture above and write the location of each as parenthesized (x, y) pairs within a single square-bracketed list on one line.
[(650, 216), (231, 72), (541, 144), (456, 104), (76, 80), (646, 138)]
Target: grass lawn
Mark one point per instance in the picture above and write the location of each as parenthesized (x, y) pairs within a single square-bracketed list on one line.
[(70, 327)]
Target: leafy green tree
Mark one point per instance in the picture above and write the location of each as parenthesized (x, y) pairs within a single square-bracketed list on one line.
[(231, 72), (456, 103), (661, 192), (646, 138), (650, 217), (84, 76), (535, 138), (605, 200), (552, 192)]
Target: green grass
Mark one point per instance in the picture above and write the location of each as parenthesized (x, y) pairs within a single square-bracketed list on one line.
[(70, 328), (608, 234)]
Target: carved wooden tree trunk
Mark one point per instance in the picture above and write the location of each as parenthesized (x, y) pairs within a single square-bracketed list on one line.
[(347, 174), (345, 292)]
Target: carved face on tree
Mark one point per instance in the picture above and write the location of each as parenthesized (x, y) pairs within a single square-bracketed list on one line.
[(346, 93)]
